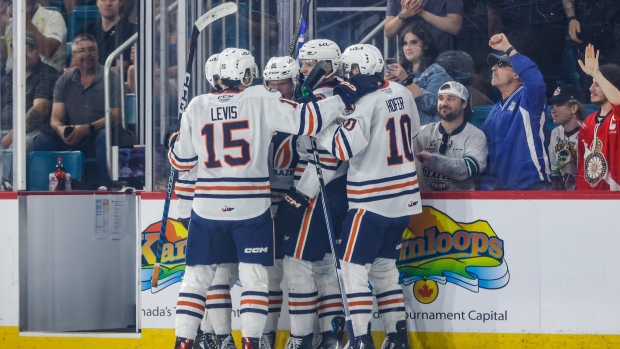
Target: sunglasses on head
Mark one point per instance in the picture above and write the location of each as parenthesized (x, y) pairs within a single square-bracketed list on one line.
[(444, 143), (503, 64)]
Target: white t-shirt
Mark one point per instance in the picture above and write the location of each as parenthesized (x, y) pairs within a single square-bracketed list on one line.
[(51, 24)]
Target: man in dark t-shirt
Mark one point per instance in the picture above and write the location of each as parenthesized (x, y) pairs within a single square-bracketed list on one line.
[(110, 31), (40, 80)]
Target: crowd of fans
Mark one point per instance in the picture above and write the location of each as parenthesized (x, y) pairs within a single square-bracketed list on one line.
[(531, 77), (65, 102)]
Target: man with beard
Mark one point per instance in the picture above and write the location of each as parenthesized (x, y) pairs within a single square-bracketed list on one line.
[(40, 80), (78, 112), (454, 152)]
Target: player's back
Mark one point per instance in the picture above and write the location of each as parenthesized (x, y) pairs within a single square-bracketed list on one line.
[(382, 178), (231, 137)]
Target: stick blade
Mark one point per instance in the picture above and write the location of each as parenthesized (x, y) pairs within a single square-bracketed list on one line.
[(315, 77), (214, 14), (155, 277)]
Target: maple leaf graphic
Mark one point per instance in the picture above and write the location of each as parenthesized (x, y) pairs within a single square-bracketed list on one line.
[(425, 292)]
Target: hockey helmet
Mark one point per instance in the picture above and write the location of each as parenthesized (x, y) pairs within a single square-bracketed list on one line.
[(366, 57), (212, 70), (234, 63), (280, 68), (322, 50)]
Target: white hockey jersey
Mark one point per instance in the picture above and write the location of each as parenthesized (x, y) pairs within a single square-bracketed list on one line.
[(563, 155), (464, 159), (307, 180), (227, 136), (376, 138), (184, 188), (282, 161)]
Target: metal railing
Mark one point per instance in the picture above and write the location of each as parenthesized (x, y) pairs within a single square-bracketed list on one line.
[(106, 83)]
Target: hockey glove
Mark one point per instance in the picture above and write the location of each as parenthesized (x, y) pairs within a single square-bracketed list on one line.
[(300, 98), (357, 86), (170, 138), (290, 212)]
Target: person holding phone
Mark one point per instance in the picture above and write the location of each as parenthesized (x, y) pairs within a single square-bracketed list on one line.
[(416, 71)]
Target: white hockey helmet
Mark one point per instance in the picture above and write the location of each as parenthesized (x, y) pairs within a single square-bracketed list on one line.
[(367, 57), (322, 50), (212, 70), (280, 68), (234, 63)]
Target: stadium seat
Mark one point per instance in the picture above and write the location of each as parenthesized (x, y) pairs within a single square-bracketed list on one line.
[(130, 108), (591, 108), (78, 17), (480, 114), (42, 163)]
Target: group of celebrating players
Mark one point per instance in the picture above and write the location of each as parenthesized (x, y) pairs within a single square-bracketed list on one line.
[(256, 220)]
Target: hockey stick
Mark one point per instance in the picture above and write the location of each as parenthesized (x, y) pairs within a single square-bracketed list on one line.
[(332, 244), (300, 29), (212, 15)]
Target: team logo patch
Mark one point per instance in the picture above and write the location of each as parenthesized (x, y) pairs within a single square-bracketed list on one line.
[(283, 155), (596, 165), (227, 209)]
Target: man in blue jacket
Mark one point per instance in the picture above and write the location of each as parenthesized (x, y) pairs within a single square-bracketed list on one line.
[(514, 127)]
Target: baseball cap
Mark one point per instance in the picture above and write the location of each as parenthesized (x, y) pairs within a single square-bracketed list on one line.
[(492, 59), (563, 94), (456, 89), (31, 39)]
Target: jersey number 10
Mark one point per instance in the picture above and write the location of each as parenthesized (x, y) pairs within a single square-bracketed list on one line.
[(405, 132)]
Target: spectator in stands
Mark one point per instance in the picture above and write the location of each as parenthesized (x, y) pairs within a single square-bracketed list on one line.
[(110, 31), (78, 114), (537, 28), (596, 23), (566, 112), (417, 71), (454, 152), (48, 27), (40, 80), (443, 19), (67, 5), (599, 140), (517, 158)]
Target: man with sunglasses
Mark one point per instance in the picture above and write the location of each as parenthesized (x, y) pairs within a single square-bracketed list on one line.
[(454, 152), (514, 127)]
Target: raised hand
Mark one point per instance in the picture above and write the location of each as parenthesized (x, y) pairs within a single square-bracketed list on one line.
[(499, 42), (590, 66)]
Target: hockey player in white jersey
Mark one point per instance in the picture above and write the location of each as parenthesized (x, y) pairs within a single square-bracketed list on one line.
[(382, 189), (280, 74), (308, 262), (227, 137)]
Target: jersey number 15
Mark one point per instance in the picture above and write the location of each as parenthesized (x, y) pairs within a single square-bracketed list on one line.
[(229, 142)]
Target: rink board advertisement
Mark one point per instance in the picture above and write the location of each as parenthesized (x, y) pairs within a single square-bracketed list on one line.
[(9, 273), (466, 266)]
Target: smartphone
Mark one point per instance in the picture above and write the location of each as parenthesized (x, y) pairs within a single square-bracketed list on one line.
[(390, 61), (68, 131)]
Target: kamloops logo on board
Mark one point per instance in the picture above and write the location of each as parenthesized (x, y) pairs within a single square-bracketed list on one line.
[(172, 265), (436, 249)]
